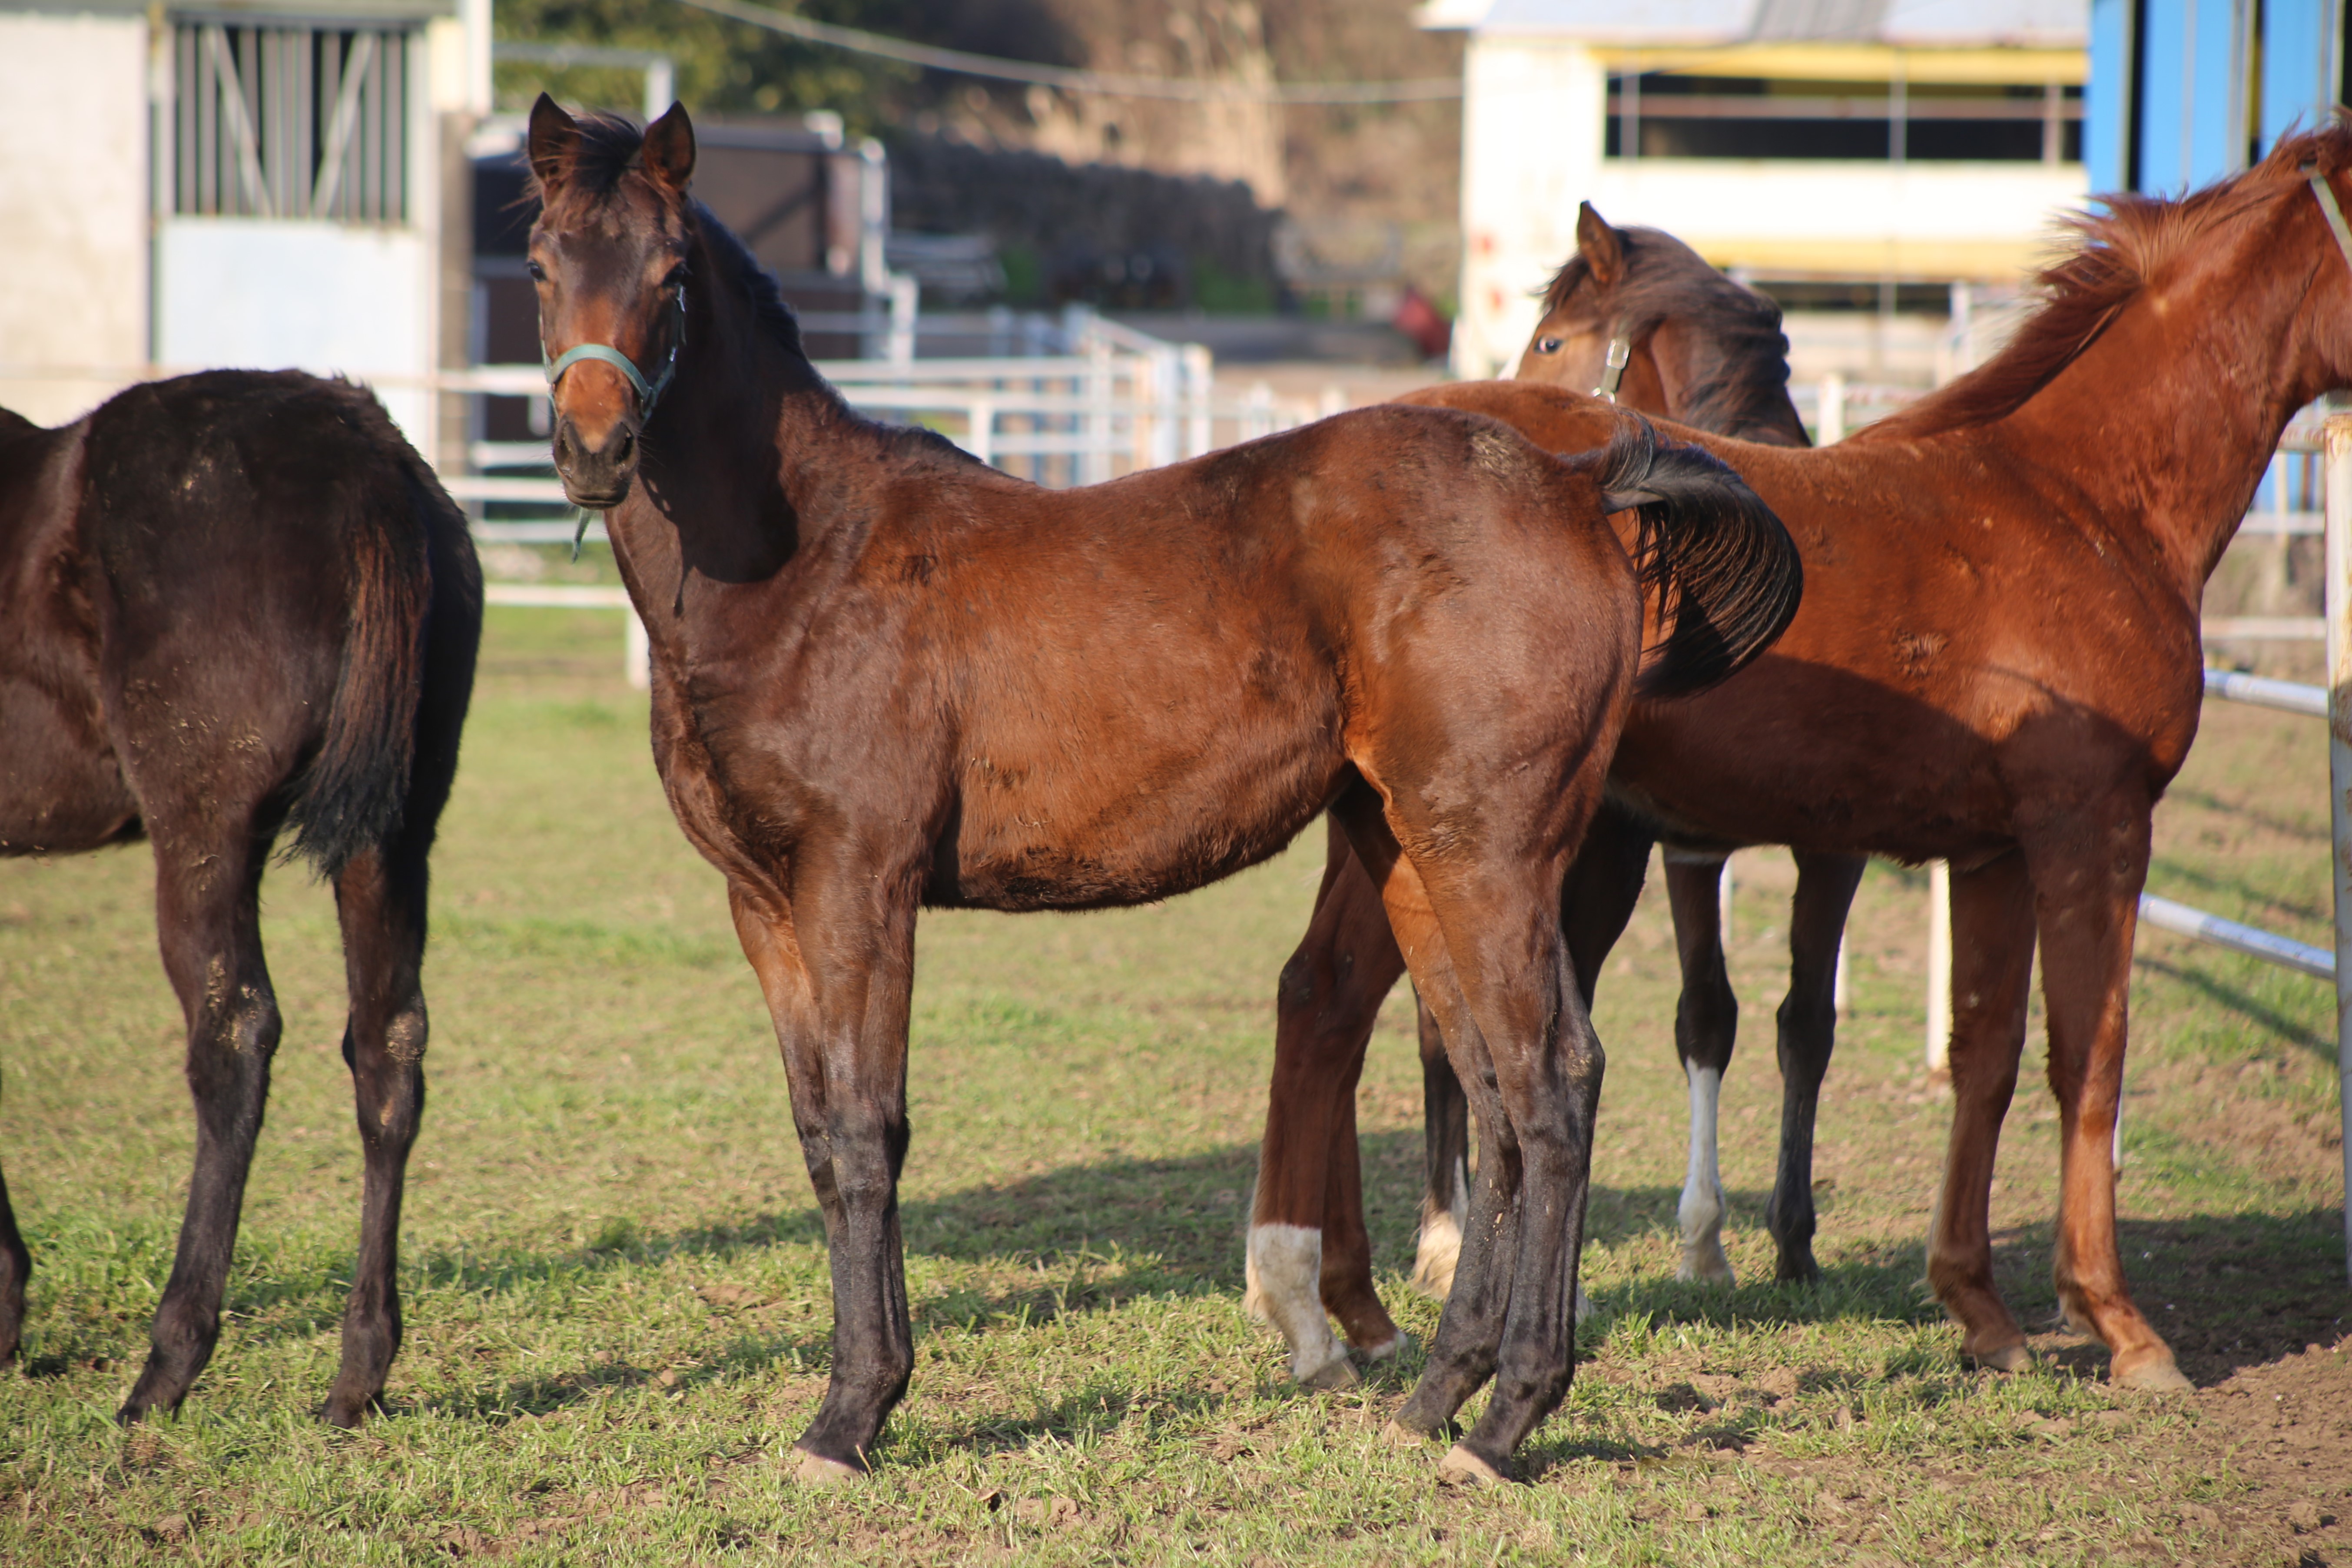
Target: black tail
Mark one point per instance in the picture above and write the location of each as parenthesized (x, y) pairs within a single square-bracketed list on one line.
[(1711, 553), (397, 522)]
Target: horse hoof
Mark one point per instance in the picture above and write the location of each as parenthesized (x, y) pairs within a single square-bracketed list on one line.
[(816, 1471), (1333, 1374), (2153, 1372), (1397, 1435), (1704, 1270), (1462, 1468), (2011, 1357)]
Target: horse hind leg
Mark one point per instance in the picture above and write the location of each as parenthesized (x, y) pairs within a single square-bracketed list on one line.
[(1308, 1258), (1808, 1033), (379, 901), (207, 883), (1707, 1026), (1445, 1156)]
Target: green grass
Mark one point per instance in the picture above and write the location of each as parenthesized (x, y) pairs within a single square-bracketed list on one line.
[(616, 1295)]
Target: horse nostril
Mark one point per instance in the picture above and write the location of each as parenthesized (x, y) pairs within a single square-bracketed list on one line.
[(622, 448), (564, 452)]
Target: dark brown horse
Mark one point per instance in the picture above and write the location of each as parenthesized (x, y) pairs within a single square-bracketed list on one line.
[(1695, 347), (1996, 663), (233, 603), (886, 676)]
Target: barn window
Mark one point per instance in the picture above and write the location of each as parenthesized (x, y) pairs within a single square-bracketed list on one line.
[(290, 121)]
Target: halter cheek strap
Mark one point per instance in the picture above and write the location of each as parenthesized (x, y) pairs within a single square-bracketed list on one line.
[(2329, 205), (1612, 368)]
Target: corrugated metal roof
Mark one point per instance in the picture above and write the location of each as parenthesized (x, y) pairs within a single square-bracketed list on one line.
[(1918, 24)]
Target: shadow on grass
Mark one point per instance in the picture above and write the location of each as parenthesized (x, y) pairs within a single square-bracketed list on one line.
[(2228, 1290), (2229, 996)]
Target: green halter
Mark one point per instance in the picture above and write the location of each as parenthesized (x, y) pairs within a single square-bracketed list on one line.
[(648, 392)]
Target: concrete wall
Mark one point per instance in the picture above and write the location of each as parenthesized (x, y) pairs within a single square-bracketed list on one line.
[(73, 207)]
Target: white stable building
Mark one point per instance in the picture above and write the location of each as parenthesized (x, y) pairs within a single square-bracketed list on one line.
[(1822, 141), (258, 184)]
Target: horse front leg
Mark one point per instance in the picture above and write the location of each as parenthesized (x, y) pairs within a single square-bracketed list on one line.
[(837, 967), (2087, 902), (1707, 1028), (1307, 1251), (16, 1268), (1993, 965), (380, 900), (1808, 1033), (207, 883)]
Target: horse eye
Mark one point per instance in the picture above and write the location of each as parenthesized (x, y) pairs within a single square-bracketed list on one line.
[(538, 273), (1546, 345)]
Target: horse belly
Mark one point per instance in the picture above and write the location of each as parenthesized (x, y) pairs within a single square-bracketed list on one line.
[(1074, 836), (61, 788)]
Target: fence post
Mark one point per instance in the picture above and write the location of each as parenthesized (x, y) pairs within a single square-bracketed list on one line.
[(906, 302), (980, 430), (2338, 486), (1940, 970), (1200, 379), (1829, 412)]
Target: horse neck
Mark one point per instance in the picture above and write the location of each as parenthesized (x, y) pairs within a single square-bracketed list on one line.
[(753, 446), (2166, 422), (1744, 394)]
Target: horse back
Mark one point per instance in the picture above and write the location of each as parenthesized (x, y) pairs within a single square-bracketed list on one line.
[(1109, 694)]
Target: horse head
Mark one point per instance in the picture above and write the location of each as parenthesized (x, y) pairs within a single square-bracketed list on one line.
[(1688, 341), (608, 258)]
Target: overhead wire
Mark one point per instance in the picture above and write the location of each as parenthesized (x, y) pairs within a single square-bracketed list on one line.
[(1105, 83)]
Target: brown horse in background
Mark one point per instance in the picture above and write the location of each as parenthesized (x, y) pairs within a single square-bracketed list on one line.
[(228, 604), (1709, 352), (886, 676), (1997, 663)]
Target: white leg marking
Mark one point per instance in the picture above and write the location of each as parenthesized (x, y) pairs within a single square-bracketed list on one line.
[(1440, 1251), (1285, 1266), (1701, 1211)]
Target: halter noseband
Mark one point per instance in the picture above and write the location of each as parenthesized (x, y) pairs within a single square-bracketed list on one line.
[(1612, 367), (648, 392)]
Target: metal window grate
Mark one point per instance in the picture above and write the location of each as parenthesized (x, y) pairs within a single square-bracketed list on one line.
[(296, 123)]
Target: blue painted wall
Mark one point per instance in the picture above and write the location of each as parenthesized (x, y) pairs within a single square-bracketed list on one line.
[(2168, 108)]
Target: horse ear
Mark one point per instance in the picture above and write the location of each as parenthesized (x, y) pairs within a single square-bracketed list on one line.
[(1602, 246), (554, 141), (669, 148)]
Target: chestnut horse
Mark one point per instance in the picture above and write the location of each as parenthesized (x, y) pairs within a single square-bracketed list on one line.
[(1698, 348), (1997, 663), (886, 676), (234, 602)]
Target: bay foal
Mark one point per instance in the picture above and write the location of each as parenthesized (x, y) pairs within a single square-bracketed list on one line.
[(886, 676), (228, 604), (1707, 351), (1997, 663)]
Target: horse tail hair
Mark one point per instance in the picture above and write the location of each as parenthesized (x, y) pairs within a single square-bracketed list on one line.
[(1709, 554), (395, 520)]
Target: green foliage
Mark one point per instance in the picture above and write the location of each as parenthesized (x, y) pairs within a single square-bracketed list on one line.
[(723, 65), (1223, 293)]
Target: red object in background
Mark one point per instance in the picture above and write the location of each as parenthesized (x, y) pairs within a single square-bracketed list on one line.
[(1419, 320)]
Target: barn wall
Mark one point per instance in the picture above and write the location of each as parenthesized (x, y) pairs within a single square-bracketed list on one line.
[(73, 207)]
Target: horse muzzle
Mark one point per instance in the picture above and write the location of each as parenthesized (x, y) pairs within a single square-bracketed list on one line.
[(596, 475)]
